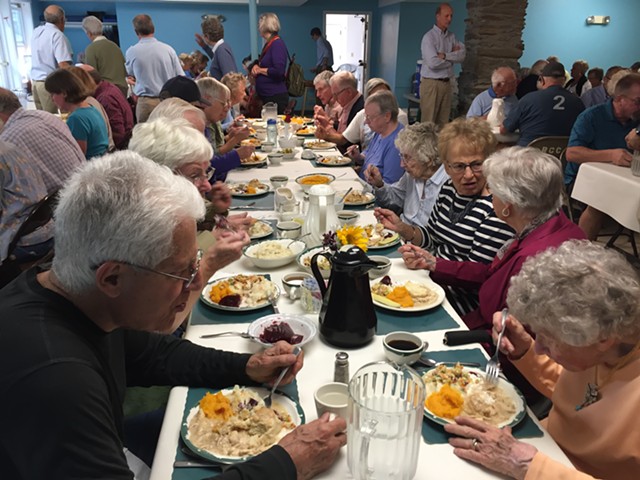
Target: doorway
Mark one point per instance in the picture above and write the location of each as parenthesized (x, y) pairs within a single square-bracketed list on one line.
[(348, 34), (15, 55)]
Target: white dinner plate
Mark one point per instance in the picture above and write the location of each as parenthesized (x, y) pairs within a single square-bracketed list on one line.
[(512, 392), (254, 159), (396, 279), (319, 145), (395, 239), (292, 407), (261, 189), (333, 161), (370, 198), (204, 296)]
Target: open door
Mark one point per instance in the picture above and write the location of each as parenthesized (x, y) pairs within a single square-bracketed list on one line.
[(348, 34)]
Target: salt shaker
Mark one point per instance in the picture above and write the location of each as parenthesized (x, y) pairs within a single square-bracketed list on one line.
[(341, 371)]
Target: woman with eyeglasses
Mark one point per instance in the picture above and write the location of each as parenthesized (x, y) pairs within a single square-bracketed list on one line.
[(381, 115), (462, 225)]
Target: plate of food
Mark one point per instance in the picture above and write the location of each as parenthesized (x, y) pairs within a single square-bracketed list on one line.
[(336, 161), (308, 131), (295, 329), (458, 390), (301, 120), (253, 188), (240, 292), (358, 197), (380, 237), (304, 260), (319, 145), (233, 425), (406, 295), (254, 142), (254, 159), (260, 229)]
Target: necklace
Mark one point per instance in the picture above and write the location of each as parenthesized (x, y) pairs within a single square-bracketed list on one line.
[(592, 392), (455, 217)]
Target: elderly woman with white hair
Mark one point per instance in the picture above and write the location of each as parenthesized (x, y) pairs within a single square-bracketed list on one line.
[(581, 301), (381, 115), (415, 194)]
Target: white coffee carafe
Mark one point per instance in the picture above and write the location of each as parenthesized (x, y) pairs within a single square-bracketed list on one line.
[(322, 216)]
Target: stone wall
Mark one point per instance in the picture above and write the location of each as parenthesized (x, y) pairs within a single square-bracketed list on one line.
[(493, 37)]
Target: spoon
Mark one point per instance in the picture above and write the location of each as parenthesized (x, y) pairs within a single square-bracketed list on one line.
[(224, 334), (298, 239), (267, 400), (345, 195)]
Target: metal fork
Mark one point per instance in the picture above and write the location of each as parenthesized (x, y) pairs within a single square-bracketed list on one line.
[(492, 370), (267, 400)]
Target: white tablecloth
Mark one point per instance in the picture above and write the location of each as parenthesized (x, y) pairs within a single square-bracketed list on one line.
[(435, 461), (611, 189)]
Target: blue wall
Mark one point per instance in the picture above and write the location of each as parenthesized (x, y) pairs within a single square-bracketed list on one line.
[(555, 27)]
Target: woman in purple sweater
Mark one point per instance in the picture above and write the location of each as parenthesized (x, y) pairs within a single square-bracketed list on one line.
[(270, 69)]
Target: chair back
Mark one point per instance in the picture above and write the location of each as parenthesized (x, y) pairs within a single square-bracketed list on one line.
[(552, 145), (40, 215)]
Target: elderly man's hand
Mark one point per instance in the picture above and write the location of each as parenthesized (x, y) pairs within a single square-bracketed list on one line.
[(373, 177), (494, 448), (227, 249), (633, 140), (516, 341), (245, 151), (238, 133), (220, 197), (620, 156), (265, 366), (313, 447)]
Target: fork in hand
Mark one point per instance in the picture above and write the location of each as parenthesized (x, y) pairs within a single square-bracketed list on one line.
[(492, 370), (267, 400)]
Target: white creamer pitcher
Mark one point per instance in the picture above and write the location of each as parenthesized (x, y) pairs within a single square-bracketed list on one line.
[(384, 422), (269, 110), (322, 216)]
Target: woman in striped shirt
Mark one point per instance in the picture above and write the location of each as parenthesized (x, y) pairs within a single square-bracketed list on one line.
[(462, 225)]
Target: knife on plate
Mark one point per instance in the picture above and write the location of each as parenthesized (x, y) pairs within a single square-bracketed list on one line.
[(195, 464)]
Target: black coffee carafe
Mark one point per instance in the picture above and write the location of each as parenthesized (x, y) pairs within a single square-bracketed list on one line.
[(347, 317)]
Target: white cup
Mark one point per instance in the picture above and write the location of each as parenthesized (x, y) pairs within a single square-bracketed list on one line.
[(403, 348), (288, 229), (333, 398)]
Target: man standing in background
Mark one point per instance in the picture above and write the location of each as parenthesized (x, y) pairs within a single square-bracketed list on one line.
[(104, 55), (440, 50), (220, 53), (324, 52), (151, 63), (50, 50)]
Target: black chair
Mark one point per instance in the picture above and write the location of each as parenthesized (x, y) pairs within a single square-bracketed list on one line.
[(39, 216)]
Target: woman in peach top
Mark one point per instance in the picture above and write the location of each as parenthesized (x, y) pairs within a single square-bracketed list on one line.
[(582, 302)]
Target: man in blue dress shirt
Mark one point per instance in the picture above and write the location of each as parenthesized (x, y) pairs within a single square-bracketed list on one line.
[(503, 85), (324, 52)]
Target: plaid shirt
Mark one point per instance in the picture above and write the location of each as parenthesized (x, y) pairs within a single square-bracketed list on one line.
[(47, 141)]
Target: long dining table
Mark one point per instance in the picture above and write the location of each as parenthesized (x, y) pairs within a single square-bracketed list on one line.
[(436, 458)]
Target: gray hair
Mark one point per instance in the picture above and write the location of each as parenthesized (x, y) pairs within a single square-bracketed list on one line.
[(386, 102), (499, 75), (212, 88), (420, 140), (322, 77), (536, 68), (53, 14), (92, 25), (527, 178), (115, 208), (343, 79), (232, 79), (170, 142), (374, 83), (268, 23), (579, 294), (176, 108)]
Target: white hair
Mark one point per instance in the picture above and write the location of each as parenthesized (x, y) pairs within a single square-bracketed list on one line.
[(499, 75), (212, 88), (170, 142), (268, 23), (176, 108), (579, 293), (344, 79), (92, 25), (322, 77), (119, 207)]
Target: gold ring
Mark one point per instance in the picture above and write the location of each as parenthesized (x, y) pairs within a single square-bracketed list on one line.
[(475, 444)]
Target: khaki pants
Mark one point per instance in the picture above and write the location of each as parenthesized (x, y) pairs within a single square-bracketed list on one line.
[(42, 98), (435, 101), (144, 107)]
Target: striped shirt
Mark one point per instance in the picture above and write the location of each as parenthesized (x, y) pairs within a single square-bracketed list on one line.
[(464, 228)]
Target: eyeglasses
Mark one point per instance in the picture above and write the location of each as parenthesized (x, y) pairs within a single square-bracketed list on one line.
[(635, 101), (193, 271), (198, 177), (338, 93), (406, 157), (462, 167), (368, 118), (224, 103)]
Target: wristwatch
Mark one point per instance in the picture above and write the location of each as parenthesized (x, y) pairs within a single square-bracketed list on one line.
[(638, 130)]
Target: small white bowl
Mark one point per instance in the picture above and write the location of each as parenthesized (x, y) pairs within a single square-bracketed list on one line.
[(403, 348), (296, 248), (288, 153), (275, 158), (267, 146), (287, 142), (308, 254), (298, 323), (278, 181), (348, 217), (299, 141), (381, 270)]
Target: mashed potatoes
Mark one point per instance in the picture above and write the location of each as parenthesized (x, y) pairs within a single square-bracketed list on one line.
[(237, 424), (271, 250)]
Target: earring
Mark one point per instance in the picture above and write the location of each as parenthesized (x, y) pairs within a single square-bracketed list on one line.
[(505, 212)]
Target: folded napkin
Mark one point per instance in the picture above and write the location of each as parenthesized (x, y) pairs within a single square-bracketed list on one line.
[(434, 433), (193, 396), (426, 321)]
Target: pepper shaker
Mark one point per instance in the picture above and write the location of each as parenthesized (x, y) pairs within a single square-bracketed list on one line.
[(341, 370)]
